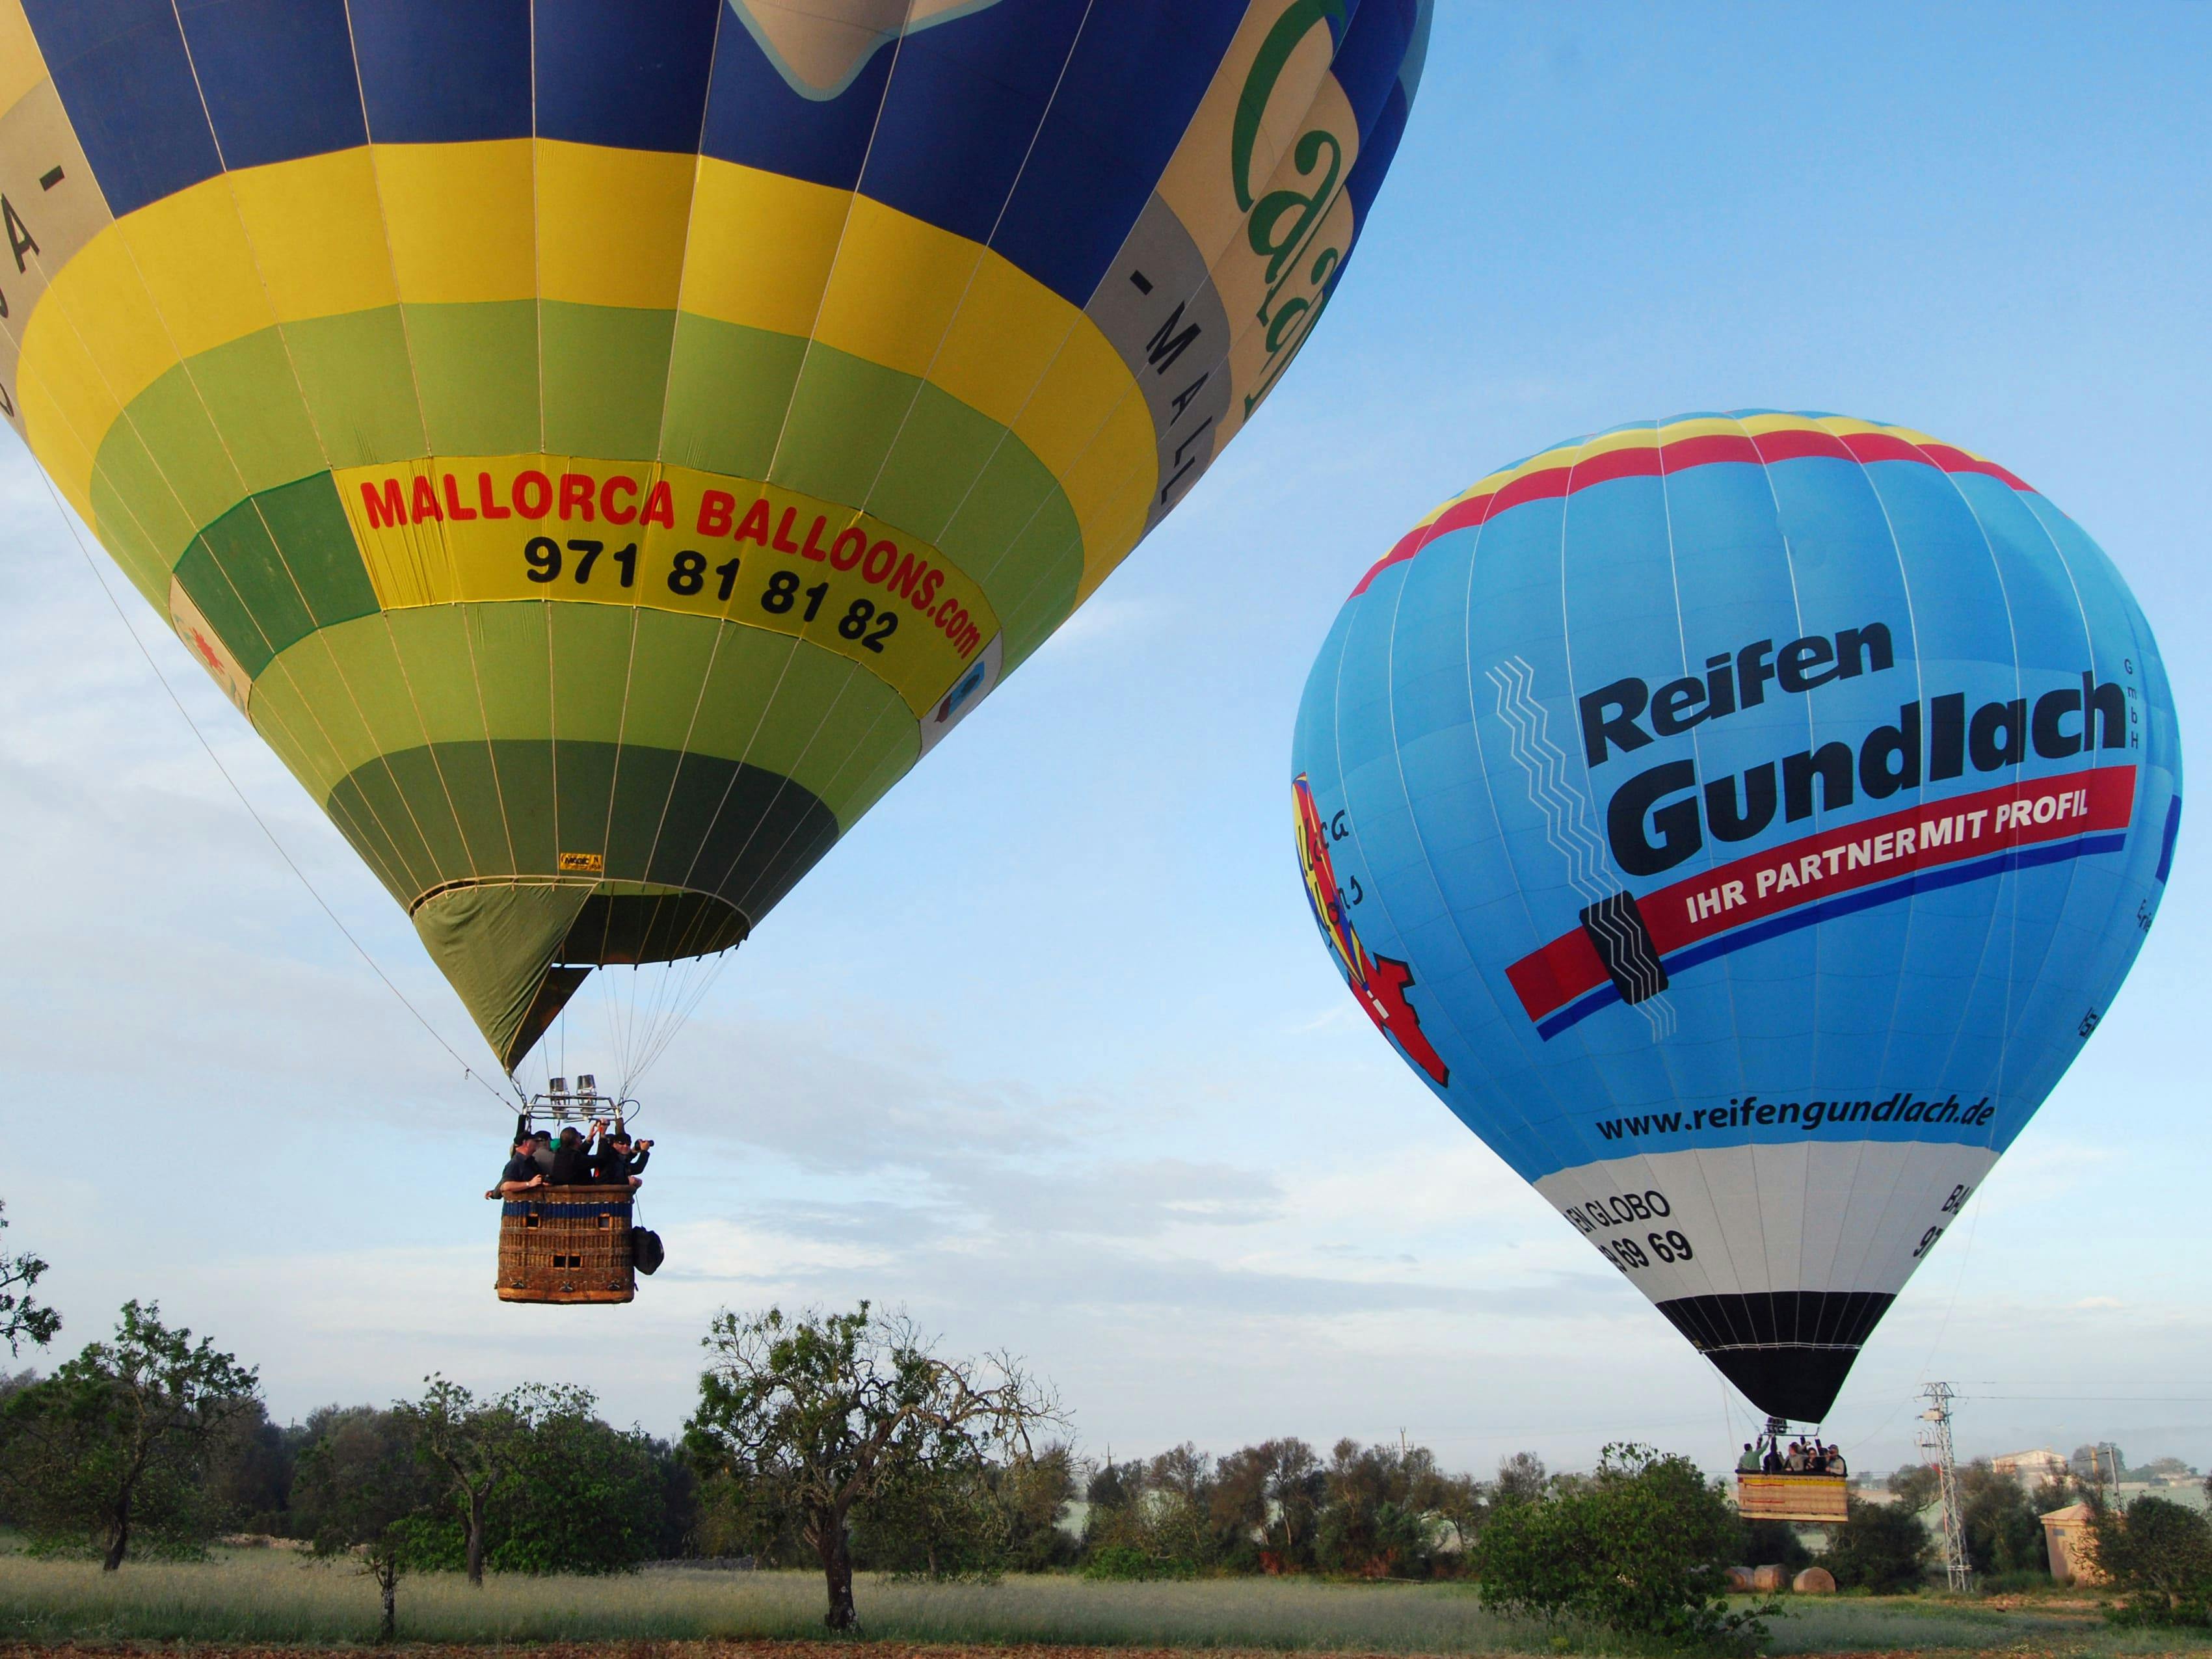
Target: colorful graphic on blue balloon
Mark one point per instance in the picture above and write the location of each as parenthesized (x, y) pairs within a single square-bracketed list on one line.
[(1742, 822)]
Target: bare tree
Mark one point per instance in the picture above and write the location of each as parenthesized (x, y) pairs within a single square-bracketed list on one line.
[(477, 1443), (21, 1319), (827, 1409)]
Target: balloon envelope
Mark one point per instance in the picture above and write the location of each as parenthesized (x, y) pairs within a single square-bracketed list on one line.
[(601, 444), (1742, 822)]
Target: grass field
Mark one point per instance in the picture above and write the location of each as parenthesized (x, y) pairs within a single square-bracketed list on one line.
[(266, 1597)]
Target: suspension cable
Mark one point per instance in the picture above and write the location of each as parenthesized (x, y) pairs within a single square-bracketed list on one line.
[(360, 949)]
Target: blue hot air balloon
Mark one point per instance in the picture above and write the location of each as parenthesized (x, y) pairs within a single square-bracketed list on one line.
[(1742, 822)]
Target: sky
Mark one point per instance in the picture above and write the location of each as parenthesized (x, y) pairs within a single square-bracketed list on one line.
[(1046, 1051)]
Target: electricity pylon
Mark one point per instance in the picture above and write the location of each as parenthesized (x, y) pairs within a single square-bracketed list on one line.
[(1935, 1446)]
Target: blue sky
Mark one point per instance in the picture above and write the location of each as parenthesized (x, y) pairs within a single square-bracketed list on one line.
[(1047, 1050)]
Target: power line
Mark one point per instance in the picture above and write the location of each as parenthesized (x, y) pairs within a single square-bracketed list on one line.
[(2101, 1398)]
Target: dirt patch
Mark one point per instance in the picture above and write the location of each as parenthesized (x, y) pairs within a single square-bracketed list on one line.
[(828, 1650), (748, 1649)]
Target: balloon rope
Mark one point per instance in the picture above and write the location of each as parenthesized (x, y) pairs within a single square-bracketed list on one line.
[(260, 823)]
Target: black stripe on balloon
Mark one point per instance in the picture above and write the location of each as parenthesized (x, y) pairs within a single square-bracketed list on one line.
[(1787, 1351)]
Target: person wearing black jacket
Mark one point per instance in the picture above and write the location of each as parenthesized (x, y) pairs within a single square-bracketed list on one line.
[(572, 1160), (619, 1161), (521, 1173)]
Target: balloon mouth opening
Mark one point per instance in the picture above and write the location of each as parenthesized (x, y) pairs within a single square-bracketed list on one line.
[(516, 951), (620, 929), (614, 928)]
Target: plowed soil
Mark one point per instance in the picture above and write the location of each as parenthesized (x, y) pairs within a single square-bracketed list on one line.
[(823, 1649)]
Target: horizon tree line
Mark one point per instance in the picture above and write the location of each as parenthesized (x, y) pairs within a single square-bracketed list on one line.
[(842, 1442)]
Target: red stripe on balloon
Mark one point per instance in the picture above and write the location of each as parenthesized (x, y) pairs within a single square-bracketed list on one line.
[(1799, 443), (1635, 461)]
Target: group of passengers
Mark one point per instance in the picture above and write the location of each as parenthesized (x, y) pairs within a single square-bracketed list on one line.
[(607, 1157), (1803, 1457)]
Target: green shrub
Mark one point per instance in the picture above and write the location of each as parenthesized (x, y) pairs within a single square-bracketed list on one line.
[(1125, 1563), (2004, 1528), (2158, 1554), (1642, 1548), (582, 1496), (1880, 1548)]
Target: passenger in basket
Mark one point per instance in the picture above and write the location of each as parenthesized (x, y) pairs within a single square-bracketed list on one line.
[(1772, 1462), (1796, 1457), (621, 1160), (521, 1173), (572, 1162), (1749, 1462), (541, 1151)]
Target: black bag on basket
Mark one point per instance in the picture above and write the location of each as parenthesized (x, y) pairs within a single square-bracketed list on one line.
[(645, 1250)]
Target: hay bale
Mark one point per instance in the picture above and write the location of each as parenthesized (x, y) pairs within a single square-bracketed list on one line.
[(1814, 1581), (1769, 1581), (1739, 1579)]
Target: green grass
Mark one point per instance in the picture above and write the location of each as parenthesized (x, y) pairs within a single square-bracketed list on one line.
[(266, 1596)]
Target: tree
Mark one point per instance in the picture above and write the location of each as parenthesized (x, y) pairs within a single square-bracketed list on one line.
[(476, 1444), (2171, 1469), (1032, 1491), (1520, 1478), (1376, 1519), (1179, 1507), (2004, 1528), (578, 1495), (1295, 1488), (585, 1497), (1641, 1547), (1114, 1485), (118, 1437), (251, 1464), (824, 1409), (1880, 1548), (1916, 1487), (21, 1319), (2159, 1555), (1267, 1498), (361, 1487), (941, 1520), (2056, 1492)]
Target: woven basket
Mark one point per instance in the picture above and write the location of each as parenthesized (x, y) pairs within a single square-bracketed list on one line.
[(564, 1245)]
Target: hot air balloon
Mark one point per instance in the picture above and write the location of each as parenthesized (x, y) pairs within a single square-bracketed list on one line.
[(1742, 822), (601, 445)]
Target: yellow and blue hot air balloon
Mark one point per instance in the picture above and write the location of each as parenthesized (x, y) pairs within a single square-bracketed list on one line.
[(1742, 822), (601, 445)]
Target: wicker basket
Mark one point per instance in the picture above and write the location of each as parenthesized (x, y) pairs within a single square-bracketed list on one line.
[(1807, 1499), (563, 1244)]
